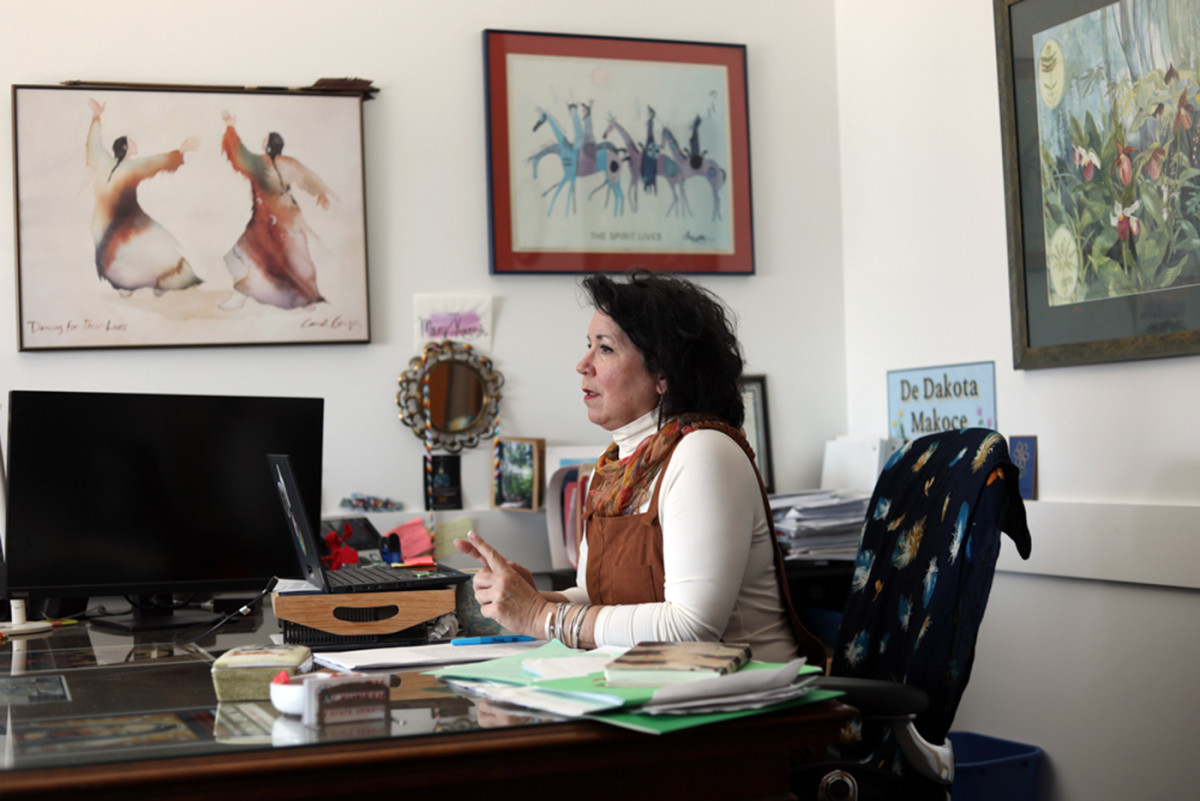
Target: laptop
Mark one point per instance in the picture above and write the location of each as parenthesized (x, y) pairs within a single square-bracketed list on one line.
[(347, 578)]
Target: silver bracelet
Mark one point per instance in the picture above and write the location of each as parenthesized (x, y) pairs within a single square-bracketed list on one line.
[(569, 626), (559, 616), (577, 629), (549, 620)]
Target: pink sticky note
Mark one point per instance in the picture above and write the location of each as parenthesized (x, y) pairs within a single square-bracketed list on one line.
[(414, 538)]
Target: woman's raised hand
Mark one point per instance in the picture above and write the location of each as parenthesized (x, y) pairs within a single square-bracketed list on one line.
[(505, 590)]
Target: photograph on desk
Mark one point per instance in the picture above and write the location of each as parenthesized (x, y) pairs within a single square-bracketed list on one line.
[(30, 690), (105, 733)]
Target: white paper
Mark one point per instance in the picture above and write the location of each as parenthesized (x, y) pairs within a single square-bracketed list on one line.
[(408, 656), (739, 683), (733, 703), (571, 667), (297, 586), (571, 705)]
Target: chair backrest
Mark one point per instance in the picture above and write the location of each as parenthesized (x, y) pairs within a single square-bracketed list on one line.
[(924, 568)]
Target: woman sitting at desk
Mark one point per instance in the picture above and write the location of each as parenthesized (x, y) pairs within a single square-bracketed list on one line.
[(678, 542)]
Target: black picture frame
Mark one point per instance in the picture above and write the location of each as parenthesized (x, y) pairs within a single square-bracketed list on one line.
[(758, 425), (1107, 284)]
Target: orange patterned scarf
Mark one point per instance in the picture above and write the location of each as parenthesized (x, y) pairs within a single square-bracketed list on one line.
[(621, 486)]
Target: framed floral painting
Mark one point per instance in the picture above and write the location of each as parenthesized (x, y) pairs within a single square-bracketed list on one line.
[(1101, 142)]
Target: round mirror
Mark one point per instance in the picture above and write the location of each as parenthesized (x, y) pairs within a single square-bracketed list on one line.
[(450, 396), (455, 396)]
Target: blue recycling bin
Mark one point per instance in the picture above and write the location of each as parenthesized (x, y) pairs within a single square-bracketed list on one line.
[(991, 769)]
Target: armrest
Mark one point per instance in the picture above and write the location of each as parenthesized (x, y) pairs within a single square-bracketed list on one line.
[(898, 704), (875, 698)]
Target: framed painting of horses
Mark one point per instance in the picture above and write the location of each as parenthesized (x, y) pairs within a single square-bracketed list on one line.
[(606, 153), (159, 216)]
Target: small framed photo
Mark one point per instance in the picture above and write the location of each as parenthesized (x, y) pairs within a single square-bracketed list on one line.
[(757, 425), (443, 482), (517, 466), (1023, 452), (608, 152)]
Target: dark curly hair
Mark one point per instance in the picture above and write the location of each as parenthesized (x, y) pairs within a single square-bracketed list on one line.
[(685, 333)]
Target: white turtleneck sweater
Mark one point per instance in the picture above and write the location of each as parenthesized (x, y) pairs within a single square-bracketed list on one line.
[(717, 552)]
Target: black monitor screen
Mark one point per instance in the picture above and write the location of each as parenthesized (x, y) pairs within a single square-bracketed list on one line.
[(131, 494)]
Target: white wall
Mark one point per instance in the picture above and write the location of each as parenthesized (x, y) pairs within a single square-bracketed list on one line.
[(1092, 671), (427, 211)]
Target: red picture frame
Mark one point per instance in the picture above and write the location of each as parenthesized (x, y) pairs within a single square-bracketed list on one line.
[(648, 123)]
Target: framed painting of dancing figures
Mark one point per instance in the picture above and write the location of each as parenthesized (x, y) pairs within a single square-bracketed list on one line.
[(153, 216), (606, 153)]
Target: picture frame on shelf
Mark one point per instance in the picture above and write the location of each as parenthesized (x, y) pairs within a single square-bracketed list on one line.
[(443, 482), (1096, 113), (155, 215), (757, 426), (517, 474), (606, 153)]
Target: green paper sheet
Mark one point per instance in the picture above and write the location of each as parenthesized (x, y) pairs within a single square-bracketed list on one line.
[(510, 670), (664, 724), (507, 669), (635, 696)]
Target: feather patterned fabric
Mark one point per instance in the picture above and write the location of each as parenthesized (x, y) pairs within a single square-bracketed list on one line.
[(920, 588)]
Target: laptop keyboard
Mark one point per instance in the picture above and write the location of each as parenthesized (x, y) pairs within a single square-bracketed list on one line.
[(368, 577)]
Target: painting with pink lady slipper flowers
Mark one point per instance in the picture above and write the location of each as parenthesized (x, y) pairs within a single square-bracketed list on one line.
[(1100, 110)]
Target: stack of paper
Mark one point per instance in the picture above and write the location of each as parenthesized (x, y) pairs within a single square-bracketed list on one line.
[(580, 689), (746, 689), (820, 522), (412, 657)]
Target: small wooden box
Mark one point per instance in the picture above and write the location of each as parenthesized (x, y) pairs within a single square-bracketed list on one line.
[(363, 613), (245, 673)]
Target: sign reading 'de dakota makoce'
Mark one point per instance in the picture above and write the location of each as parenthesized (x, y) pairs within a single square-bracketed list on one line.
[(928, 399)]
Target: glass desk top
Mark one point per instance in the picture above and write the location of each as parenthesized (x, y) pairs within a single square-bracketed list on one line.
[(82, 695)]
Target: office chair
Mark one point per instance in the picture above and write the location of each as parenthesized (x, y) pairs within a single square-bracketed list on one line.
[(906, 642)]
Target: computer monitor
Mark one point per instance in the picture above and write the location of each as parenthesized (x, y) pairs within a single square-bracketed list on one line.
[(152, 496)]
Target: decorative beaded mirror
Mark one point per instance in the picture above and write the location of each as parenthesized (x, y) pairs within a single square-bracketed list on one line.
[(450, 396)]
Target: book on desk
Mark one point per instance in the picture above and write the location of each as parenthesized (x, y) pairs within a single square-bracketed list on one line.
[(660, 663)]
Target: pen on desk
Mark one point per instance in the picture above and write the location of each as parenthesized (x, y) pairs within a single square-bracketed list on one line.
[(489, 640)]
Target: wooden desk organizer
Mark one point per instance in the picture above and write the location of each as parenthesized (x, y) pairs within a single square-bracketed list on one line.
[(363, 613)]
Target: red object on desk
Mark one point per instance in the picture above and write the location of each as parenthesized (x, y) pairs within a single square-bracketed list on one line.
[(339, 553)]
